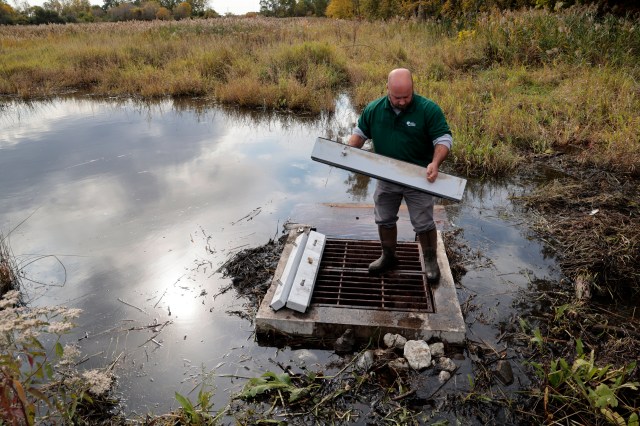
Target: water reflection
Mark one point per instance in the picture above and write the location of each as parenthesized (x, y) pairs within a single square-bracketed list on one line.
[(127, 196), (142, 202)]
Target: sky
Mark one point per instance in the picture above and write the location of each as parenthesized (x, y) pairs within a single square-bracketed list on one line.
[(237, 7)]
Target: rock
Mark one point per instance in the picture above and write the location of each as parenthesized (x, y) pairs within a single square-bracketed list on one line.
[(503, 372), (365, 361), (394, 341), (459, 357), (305, 356), (437, 349), (446, 364), (418, 354), (444, 377), (344, 344), (399, 364)]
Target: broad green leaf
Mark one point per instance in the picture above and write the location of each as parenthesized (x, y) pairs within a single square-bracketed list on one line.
[(49, 370), (260, 389), (185, 403), (59, 350), (603, 396)]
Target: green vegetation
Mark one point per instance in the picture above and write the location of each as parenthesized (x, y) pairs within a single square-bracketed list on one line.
[(512, 84), (73, 11), (38, 387), (455, 9), (596, 390), (573, 386)]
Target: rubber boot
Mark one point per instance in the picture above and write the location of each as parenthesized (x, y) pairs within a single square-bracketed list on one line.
[(388, 260), (429, 243)]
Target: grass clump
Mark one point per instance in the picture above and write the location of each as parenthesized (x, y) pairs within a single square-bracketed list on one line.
[(9, 277)]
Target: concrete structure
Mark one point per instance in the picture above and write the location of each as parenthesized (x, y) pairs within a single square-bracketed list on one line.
[(327, 323)]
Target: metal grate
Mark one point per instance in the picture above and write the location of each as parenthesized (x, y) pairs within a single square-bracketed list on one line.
[(344, 280)]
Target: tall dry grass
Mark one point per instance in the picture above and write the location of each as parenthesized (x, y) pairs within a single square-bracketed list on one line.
[(511, 84), (9, 276)]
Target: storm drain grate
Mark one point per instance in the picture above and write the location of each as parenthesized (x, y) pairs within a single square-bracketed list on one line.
[(344, 280)]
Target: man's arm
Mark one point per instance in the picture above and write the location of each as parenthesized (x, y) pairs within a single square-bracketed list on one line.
[(440, 153)]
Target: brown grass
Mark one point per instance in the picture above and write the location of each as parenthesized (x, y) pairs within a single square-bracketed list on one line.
[(8, 271), (514, 84), (593, 221)]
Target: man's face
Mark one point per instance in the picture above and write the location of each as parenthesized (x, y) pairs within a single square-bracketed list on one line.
[(400, 95)]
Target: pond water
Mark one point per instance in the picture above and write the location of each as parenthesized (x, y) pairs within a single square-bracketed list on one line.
[(126, 209)]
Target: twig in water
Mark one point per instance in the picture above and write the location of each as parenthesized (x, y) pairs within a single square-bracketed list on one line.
[(165, 292), (88, 358), (255, 212), (133, 306), (115, 361), (150, 339)]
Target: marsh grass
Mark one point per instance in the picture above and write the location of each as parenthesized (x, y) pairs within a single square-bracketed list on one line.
[(512, 84), (592, 221), (579, 354), (9, 272)]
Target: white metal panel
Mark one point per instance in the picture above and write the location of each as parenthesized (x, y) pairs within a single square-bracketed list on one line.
[(285, 282), (386, 168), (302, 289)]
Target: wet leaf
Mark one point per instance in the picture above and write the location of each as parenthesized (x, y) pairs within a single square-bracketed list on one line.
[(59, 350), (297, 393), (603, 396), (185, 403), (49, 370), (267, 382), (613, 417)]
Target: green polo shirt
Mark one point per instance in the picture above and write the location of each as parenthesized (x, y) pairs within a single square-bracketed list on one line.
[(407, 136)]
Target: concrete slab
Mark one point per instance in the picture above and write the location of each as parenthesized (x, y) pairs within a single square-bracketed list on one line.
[(328, 323), (357, 221)]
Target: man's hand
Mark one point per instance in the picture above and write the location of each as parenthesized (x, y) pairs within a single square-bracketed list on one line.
[(356, 141), (439, 154), (432, 172)]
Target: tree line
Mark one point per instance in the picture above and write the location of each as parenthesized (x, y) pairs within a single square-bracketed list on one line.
[(71, 11), (63, 11)]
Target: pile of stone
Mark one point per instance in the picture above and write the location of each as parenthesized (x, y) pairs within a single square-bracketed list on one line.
[(417, 355)]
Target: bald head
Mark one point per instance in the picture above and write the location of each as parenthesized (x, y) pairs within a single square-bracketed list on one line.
[(400, 88)]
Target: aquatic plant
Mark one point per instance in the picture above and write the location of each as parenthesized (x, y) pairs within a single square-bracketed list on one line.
[(9, 276), (582, 389), (37, 386)]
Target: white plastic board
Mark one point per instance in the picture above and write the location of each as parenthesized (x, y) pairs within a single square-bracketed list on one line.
[(302, 289), (387, 169), (285, 282)]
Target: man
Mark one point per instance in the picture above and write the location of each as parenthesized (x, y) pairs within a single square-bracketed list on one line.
[(408, 127)]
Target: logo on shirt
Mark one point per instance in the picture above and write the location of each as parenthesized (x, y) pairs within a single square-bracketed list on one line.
[(411, 124)]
